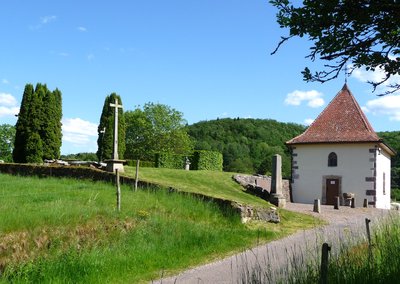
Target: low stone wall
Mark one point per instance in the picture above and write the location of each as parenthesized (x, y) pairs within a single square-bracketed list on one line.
[(260, 185)]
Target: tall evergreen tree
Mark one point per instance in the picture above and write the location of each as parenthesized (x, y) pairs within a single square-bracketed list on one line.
[(51, 128), (19, 153), (38, 129), (106, 130)]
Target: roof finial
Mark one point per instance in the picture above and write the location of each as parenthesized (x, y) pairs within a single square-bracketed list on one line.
[(345, 74)]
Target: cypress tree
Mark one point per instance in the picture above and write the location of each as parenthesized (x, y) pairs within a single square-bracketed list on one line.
[(38, 129), (51, 124), (106, 138), (21, 128)]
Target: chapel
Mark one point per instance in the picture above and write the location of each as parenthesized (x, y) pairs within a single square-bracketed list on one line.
[(341, 155)]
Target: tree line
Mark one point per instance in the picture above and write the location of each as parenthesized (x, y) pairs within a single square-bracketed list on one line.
[(247, 145)]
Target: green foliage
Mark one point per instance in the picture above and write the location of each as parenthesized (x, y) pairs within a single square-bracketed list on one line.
[(207, 160), (156, 128), (392, 138), (395, 194), (7, 136), (247, 145), (170, 161), (349, 34), (38, 129), (144, 164), (105, 130), (85, 156)]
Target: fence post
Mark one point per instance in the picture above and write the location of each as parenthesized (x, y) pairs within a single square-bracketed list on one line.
[(118, 190), (367, 221), (137, 174), (324, 263)]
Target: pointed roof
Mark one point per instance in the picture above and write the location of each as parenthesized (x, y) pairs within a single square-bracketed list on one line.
[(342, 121)]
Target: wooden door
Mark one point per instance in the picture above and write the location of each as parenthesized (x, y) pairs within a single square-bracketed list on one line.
[(332, 190)]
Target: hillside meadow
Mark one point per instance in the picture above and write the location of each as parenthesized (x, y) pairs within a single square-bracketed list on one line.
[(63, 230)]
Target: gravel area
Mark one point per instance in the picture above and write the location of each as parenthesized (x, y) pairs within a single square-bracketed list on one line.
[(273, 260)]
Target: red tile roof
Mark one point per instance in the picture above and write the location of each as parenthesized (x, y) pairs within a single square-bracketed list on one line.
[(342, 121)]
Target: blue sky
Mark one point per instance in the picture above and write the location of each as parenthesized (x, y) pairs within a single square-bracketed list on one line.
[(208, 59)]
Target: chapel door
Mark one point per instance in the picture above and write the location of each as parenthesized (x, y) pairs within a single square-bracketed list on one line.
[(332, 190)]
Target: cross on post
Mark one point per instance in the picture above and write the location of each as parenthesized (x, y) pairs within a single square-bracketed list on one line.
[(117, 106)]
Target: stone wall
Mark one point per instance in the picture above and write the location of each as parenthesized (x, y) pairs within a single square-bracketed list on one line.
[(260, 185)]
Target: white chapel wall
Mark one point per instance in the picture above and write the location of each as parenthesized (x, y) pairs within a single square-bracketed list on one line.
[(355, 164), (383, 169)]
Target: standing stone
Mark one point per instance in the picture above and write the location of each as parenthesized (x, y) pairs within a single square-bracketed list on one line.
[(115, 163), (277, 197), (317, 206)]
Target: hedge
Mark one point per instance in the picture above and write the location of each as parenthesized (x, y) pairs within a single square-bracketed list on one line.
[(207, 160), (170, 161), (143, 164), (200, 160)]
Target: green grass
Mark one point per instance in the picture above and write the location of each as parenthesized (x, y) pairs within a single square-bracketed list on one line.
[(62, 230), (211, 183)]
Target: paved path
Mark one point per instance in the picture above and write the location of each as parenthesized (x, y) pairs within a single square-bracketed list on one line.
[(270, 261)]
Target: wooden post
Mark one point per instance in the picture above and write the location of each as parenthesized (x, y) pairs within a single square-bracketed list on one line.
[(137, 174), (337, 202), (317, 206), (118, 190), (324, 263), (367, 221)]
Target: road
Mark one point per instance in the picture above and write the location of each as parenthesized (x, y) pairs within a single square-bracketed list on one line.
[(273, 260)]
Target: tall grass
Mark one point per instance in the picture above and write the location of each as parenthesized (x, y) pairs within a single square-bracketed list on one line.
[(351, 260), (61, 230)]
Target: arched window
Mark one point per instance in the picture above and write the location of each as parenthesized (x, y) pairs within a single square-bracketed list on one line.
[(332, 160)]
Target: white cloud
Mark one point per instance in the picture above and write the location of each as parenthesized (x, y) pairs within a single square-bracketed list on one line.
[(7, 100), (90, 57), (308, 121), (387, 105), (376, 76), (8, 111), (79, 132), (5, 81), (82, 29), (313, 98), (47, 19), (8, 105), (43, 21)]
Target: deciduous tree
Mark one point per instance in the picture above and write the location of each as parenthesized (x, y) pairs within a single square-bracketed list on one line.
[(156, 128), (7, 136), (354, 33)]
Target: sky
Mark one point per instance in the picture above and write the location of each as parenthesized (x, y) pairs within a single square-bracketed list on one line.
[(205, 58)]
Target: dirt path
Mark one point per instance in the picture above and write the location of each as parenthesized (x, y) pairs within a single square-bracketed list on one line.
[(270, 261)]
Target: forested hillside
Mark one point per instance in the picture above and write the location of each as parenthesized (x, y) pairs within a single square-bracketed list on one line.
[(247, 145), (392, 138)]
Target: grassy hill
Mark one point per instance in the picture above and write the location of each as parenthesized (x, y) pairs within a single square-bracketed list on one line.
[(62, 230)]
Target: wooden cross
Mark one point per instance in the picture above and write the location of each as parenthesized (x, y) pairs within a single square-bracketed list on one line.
[(117, 106)]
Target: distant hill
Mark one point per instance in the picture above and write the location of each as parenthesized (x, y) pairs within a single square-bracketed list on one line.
[(392, 138), (247, 145)]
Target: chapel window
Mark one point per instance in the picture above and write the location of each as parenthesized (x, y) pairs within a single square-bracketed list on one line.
[(332, 160)]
